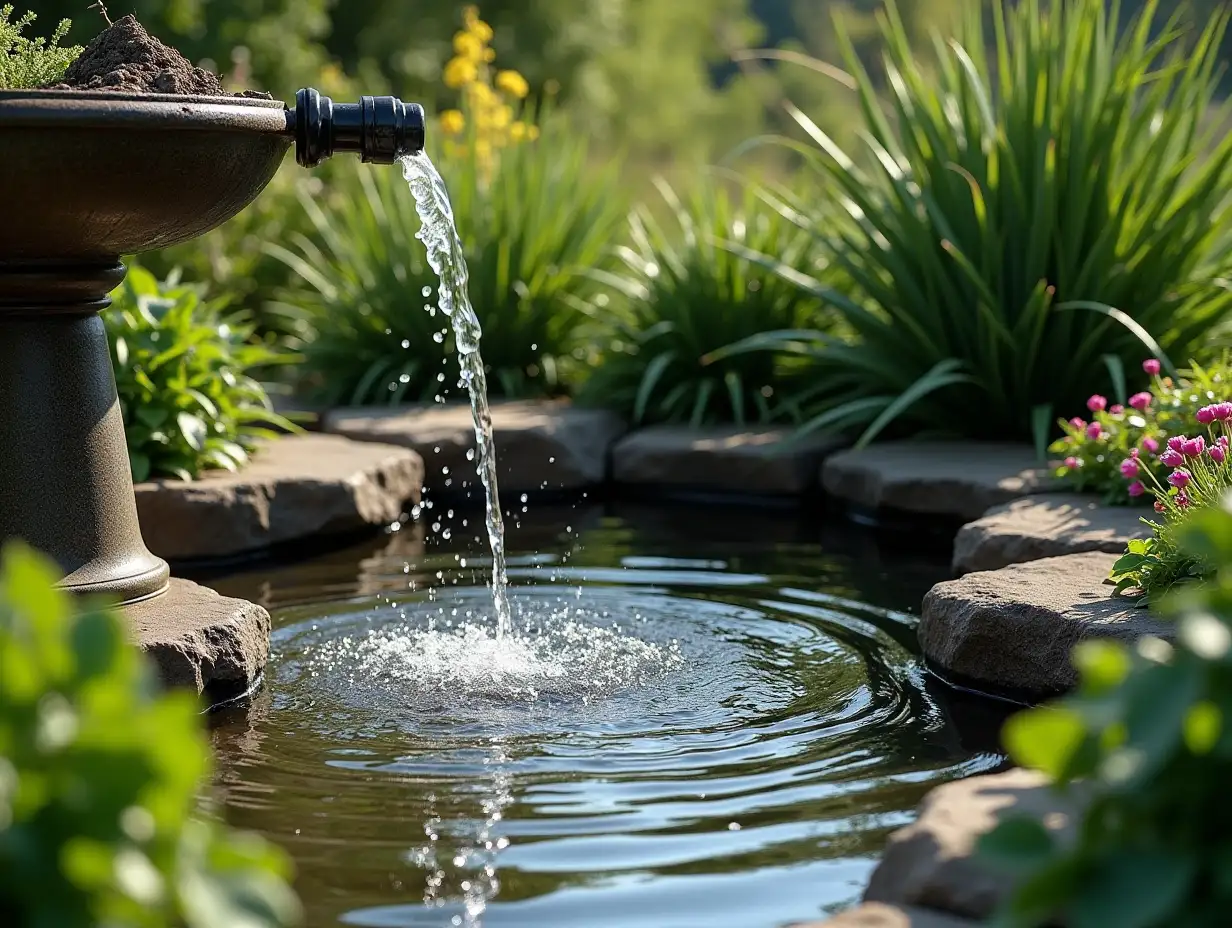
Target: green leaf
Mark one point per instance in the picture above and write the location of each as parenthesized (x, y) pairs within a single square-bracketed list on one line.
[(1017, 844), (1045, 739), (1132, 889), (193, 429)]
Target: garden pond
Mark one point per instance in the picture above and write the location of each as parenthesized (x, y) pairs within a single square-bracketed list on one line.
[(714, 717)]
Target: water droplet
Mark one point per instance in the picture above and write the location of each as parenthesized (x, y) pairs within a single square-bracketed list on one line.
[(470, 454), (404, 378), (426, 292), (406, 343), (438, 337), (523, 497)]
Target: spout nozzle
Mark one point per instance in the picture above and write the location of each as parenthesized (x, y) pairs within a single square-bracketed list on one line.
[(378, 129)]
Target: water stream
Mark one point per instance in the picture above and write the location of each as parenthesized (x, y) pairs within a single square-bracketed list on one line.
[(439, 234)]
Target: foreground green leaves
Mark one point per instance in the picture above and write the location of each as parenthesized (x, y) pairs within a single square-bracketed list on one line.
[(99, 776), (1147, 741), (27, 63), (184, 376)]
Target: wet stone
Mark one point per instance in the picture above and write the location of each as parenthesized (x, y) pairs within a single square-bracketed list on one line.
[(1011, 630), (1048, 525), (294, 488), (877, 915), (731, 459), (540, 446), (933, 863), (212, 644), (960, 480)]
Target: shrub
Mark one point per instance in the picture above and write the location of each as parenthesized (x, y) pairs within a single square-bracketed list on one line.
[(1020, 218), (184, 375), (98, 779), (687, 292), (1147, 743), (363, 281), (27, 63), (1117, 453)]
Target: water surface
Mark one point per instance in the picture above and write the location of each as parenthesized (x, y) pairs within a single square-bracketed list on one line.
[(713, 718)]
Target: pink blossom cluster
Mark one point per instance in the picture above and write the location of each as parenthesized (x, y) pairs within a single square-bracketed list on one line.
[(1193, 461)]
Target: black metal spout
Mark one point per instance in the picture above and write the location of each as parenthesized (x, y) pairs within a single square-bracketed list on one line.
[(379, 129)]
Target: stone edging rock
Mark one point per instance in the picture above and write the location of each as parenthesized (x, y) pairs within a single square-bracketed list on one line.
[(1012, 630), (541, 446), (959, 480), (733, 459), (1048, 525), (877, 915), (295, 487)]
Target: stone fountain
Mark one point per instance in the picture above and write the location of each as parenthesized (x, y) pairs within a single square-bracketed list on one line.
[(86, 177)]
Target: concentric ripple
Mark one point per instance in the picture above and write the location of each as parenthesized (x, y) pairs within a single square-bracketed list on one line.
[(669, 742)]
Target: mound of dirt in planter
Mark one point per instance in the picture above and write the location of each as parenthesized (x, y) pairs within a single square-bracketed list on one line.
[(124, 58)]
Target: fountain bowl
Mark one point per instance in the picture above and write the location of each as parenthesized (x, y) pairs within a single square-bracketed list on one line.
[(87, 176)]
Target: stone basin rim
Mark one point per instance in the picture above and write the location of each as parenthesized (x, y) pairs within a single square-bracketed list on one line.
[(104, 109)]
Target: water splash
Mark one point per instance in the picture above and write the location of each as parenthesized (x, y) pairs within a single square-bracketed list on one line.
[(440, 236)]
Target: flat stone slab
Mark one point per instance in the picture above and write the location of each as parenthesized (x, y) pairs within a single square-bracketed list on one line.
[(212, 644), (294, 488), (1048, 525), (962, 480), (933, 863), (876, 915), (1012, 630), (539, 445), (731, 459)]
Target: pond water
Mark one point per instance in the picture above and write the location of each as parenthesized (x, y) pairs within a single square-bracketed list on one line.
[(726, 720)]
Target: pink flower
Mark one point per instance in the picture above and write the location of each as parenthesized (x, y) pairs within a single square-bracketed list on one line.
[(1223, 440), (1206, 415), (1194, 447), (1073, 463), (1171, 458), (1176, 442), (1078, 423), (1136, 489), (1223, 411), (1097, 403), (1217, 453), (1150, 444), (1179, 479), (1117, 409), (1094, 431), (1140, 401), (1151, 366), (1129, 468), (1182, 499), (1160, 507)]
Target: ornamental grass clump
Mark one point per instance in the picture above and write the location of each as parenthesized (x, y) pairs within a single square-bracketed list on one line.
[(683, 292), (1019, 215), (184, 372), (1116, 453), (1145, 747)]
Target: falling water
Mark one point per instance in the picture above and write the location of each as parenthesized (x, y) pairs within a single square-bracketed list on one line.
[(440, 237)]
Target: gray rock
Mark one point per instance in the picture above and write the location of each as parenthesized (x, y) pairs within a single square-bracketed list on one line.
[(933, 863), (540, 445), (1048, 525), (957, 479), (294, 488), (876, 915), (733, 459), (1013, 629), (212, 644)]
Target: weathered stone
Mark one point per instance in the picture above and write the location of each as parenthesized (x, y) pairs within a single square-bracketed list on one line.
[(212, 644), (1048, 525), (294, 488), (956, 479), (933, 863), (1013, 629), (876, 915), (733, 459), (540, 445)]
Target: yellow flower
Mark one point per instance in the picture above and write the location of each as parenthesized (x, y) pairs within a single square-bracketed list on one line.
[(480, 94), (501, 117), (517, 131), (489, 54), (452, 122), (460, 72), (468, 46), (532, 133), (475, 25), (514, 83)]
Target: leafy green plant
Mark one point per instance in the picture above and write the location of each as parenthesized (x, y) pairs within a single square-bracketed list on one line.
[(98, 781), (184, 375), (27, 63), (363, 281), (1020, 218), (1146, 742), (1117, 453), (683, 293)]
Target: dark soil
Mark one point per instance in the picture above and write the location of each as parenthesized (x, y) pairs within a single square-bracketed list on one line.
[(124, 58)]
